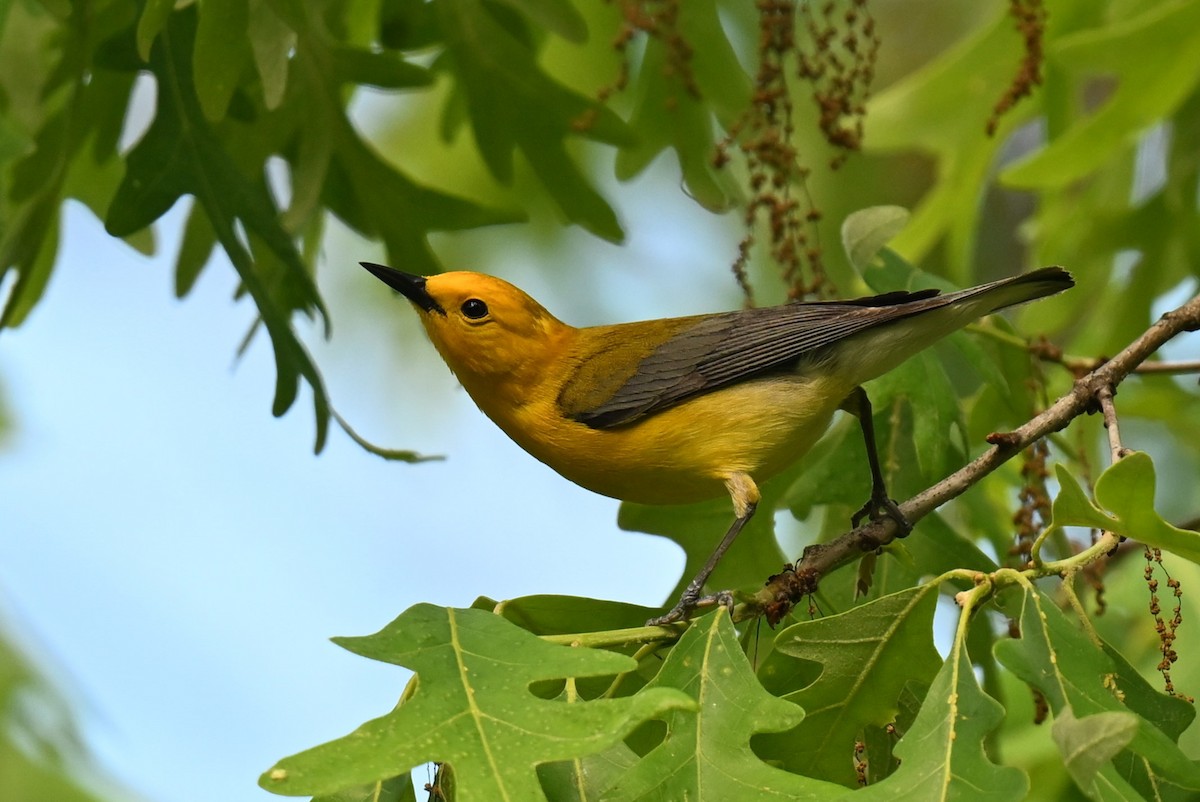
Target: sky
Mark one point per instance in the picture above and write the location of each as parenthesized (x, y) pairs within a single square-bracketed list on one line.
[(177, 559)]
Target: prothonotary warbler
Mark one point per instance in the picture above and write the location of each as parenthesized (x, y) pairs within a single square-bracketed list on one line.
[(684, 409)]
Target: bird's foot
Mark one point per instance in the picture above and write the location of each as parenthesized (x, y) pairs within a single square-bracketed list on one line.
[(690, 601), (879, 507), (682, 609)]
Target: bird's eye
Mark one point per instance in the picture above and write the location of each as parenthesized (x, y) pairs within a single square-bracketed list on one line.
[(474, 308)]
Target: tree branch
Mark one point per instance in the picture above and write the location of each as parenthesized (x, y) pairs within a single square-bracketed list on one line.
[(783, 590)]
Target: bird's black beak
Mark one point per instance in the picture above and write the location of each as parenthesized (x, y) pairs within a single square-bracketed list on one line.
[(409, 285)]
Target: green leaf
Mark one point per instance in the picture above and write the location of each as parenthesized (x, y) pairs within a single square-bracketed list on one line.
[(332, 164), (473, 709), (942, 755), (666, 114), (407, 25), (937, 547), (1072, 672), (698, 528), (1088, 744), (194, 251), (222, 51), (153, 19), (921, 388), (559, 16), (513, 104), (868, 655), (376, 199), (835, 473), (583, 779), (272, 43), (563, 615), (180, 153), (1170, 714), (865, 232), (1147, 89), (898, 119), (31, 243), (40, 743), (383, 69), (77, 105), (396, 789), (1124, 505), (707, 755), (26, 778)]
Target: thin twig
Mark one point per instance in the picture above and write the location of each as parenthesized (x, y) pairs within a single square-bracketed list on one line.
[(799, 580), (1105, 396), (1078, 365), (1182, 366)]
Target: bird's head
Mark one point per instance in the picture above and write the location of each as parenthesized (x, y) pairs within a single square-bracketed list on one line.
[(481, 325)]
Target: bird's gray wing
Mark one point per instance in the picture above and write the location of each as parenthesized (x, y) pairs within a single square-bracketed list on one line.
[(723, 349), (719, 350)]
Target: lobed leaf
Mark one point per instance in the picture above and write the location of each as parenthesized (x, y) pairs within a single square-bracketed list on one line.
[(514, 105), (1124, 505), (667, 114), (473, 709), (151, 22), (706, 754), (1077, 676), (562, 615), (584, 778), (867, 656), (181, 154), (942, 755)]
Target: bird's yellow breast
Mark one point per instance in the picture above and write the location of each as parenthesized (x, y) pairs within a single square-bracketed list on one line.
[(681, 454)]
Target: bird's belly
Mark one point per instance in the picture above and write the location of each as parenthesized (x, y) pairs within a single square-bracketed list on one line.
[(686, 453)]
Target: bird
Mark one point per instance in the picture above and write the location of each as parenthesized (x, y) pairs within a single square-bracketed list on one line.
[(683, 409)]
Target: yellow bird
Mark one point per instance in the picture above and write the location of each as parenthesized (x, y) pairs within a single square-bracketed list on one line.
[(684, 409)]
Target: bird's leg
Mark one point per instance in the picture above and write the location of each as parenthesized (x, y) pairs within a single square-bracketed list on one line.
[(745, 497), (880, 505)]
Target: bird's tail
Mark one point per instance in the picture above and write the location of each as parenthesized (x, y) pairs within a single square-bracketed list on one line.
[(1010, 291), (919, 320)]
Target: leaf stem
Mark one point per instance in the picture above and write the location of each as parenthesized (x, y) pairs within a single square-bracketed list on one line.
[(619, 637), (1079, 365), (641, 654), (1072, 597), (1103, 545)]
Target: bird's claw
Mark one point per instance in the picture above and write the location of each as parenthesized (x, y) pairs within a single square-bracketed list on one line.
[(679, 612), (880, 507), (688, 602)]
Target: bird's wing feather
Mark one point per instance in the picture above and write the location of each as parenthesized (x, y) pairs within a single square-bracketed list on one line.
[(723, 349)]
